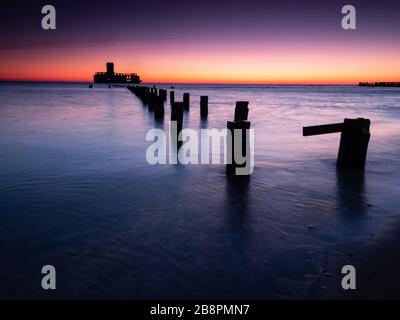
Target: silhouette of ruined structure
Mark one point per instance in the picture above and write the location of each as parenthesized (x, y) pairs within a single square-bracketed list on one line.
[(111, 77)]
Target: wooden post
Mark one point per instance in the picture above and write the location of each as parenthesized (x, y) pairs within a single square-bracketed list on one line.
[(152, 101), (143, 93), (177, 116), (354, 140), (241, 110), (203, 106), (158, 108), (163, 94), (186, 100), (172, 97), (239, 129), (354, 144)]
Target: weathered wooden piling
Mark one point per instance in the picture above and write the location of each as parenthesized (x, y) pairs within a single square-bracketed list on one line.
[(146, 95), (158, 107), (163, 94), (186, 100), (239, 129), (354, 143), (152, 101), (177, 117), (354, 140), (143, 93), (172, 97), (241, 110), (203, 106)]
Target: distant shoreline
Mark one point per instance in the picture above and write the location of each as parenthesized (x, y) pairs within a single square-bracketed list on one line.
[(380, 84)]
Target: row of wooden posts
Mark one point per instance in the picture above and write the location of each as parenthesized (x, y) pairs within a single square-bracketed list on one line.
[(355, 133), (155, 98)]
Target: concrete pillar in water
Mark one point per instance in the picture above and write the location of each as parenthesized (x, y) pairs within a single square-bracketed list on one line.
[(355, 135), (238, 142), (186, 100), (203, 106)]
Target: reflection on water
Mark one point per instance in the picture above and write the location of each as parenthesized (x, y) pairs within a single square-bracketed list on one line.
[(351, 193), (237, 201), (77, 192)]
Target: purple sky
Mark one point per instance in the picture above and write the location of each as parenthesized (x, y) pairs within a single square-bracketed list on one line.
[(147, 28)]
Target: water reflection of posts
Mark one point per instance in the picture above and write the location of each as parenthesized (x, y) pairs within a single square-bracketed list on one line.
[(351, 192), (237, 203), (354, 141), (238, 142)]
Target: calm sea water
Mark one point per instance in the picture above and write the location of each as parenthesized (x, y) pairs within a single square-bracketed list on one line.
[(76, 192)]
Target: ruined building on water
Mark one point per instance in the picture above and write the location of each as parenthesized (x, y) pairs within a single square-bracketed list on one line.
[(111, 77)]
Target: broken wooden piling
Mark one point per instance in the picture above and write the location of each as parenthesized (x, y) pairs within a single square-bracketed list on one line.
[(241, 110), (158, 107), (238, 142), (163, 94), (186, 100), (143, 93), (203, 106), (177, 118), (354, 140), (152, 100)]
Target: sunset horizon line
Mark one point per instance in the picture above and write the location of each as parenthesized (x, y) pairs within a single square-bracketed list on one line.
[(322, 83)]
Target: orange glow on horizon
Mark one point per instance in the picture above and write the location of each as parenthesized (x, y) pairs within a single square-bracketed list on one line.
[(224, 63)]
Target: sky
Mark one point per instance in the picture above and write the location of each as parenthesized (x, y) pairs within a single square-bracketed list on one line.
[(219, 41)]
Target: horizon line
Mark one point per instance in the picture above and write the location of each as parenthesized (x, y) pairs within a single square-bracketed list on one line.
[(191, 83)]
